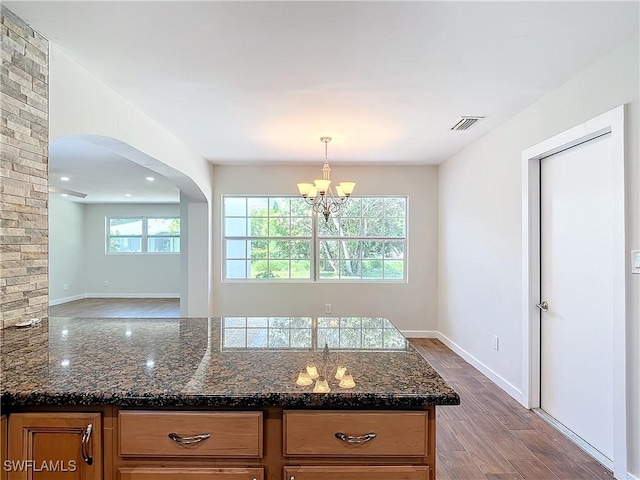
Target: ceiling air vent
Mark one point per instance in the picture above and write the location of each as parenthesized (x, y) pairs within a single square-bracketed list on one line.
[(465, 123)]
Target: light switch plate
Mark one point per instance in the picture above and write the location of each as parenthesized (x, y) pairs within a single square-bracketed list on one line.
[(635, 261)]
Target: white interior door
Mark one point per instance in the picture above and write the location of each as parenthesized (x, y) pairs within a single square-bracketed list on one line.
[(577, 258)]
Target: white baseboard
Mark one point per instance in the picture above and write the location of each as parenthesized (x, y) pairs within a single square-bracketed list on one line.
[(419, 333), (132, 295), (60, 301), (493, 376), (631, 476)]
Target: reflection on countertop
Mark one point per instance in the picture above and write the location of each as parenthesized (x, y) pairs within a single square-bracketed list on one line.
[(234, 362)]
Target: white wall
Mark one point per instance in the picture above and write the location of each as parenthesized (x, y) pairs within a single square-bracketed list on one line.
[(411, 306), (156, 275), (66, 250), (480, 272)]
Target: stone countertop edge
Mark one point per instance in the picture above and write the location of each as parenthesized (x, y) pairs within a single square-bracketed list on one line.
[(183, 363)]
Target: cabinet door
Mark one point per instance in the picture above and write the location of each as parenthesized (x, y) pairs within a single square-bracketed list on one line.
[(414, 472), (144, 473), (55, 446)]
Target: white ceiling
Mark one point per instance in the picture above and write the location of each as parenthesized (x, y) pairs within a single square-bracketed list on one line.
[(104, 176), (261, 81)]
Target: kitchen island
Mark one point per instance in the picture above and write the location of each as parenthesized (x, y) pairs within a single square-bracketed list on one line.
[(221, 398)]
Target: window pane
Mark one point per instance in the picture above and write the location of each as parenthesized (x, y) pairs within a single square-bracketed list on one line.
[(258, 207), (300, 208), (278, 207), (300, 249), (163, 244), (236, 249), (259, 227), (393, 250), (353, 208), (236, 269), (372, 269), (301, 227), (394, 227), (395, 207), (393, 269), (279, 227), (259, 269), (279, 249), (258, 248), (300, 269), (235, 227), (125, 226), (279, 268), (163, 226), (329, 249), (125, 245), (372, 207), (372, 249), (329, 269), (235, 207)]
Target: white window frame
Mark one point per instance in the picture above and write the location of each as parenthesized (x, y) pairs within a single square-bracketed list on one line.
[(143, 238), (314, 249)]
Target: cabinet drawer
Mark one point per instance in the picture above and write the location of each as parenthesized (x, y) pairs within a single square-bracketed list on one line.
[(374, 472), (190, 434), (190, 474), (342, 433)]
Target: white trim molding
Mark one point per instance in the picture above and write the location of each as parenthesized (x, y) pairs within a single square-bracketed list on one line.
[(132, 295), (60, 301), (505, 385), (609, 122)]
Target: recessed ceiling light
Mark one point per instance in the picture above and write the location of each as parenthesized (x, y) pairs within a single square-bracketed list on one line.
[(127, 194), (64, 179), (150, 179), (64, 195)]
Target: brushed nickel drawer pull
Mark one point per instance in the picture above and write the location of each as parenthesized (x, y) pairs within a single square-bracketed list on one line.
[(356, 439), (188, 440), (86, 435)]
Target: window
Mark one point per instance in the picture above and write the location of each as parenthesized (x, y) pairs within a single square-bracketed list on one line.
[(281, 238), (267, 237), (143, 235)]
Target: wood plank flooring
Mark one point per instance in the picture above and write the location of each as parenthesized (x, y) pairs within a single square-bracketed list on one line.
[(118, 308), (490, 436)]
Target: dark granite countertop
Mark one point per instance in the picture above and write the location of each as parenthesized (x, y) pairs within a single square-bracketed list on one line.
[(229, 362)]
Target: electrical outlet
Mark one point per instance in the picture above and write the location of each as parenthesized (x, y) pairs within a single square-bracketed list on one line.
[(496, 342), (327, 308), (106, 283), (65, 286)]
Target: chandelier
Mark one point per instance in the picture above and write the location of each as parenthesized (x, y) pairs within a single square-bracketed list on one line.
[(319, 193)]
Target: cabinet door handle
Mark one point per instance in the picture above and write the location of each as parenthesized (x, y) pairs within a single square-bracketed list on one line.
[(86, 435), (356, 439), (188, 440)]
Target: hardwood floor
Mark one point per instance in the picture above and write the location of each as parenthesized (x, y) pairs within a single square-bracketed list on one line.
[(119, 308), (490, 436)]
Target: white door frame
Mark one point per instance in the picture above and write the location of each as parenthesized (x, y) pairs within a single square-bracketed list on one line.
[(611, 121)]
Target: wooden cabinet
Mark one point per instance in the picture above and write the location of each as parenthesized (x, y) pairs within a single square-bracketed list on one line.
[(3, 446), (418, 472), (355, 434), (190, 434), (190, 474), (55, 446)]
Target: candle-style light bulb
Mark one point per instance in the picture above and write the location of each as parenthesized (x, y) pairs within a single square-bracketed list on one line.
[(312, 370), (321, 386), (347, 381), (340, 372), (304, 379)]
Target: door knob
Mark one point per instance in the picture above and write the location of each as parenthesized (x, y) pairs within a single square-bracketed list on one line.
[(544, 306)]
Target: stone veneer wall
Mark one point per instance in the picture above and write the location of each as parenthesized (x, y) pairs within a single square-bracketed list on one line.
[(24, 140)]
